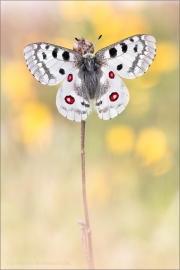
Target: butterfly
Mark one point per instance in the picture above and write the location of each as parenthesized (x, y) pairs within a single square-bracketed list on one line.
[(84, 75)]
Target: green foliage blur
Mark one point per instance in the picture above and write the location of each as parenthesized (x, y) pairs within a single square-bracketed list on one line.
[(131, 161)]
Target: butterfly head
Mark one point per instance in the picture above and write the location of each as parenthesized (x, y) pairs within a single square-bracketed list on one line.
[(83, 46)]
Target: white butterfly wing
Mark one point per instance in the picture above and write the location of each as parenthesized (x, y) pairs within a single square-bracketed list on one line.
[(130, 57), (71, 100), (48, 63), (113, 96)]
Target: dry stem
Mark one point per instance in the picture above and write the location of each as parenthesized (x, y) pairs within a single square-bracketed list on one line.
[(85, 226)]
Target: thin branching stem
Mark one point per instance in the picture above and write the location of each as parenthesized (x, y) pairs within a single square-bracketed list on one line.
[(86, 230)]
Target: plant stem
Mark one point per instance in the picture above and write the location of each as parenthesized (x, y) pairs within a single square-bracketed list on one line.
[(86, 239)]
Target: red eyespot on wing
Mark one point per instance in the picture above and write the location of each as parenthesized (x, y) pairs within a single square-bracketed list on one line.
[(114, 96), (111, 75), (70, 77), (69, 99)]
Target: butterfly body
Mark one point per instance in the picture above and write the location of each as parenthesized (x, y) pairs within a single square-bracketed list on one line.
[(91, 74), (86, 76)]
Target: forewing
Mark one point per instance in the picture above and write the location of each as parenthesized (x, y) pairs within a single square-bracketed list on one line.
[(130, 57), (113, 96), (49, 63), (72, 100)]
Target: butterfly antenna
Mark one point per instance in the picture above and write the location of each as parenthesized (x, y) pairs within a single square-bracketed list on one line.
[(97, 39)]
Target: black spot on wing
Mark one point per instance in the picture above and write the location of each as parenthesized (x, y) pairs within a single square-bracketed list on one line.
[(84, 104), (44, 55), (62, 71), (54, 53), (124, 47), (131, 39), (98, 103), (112, 52), (136, 48), (47, 47), (120, 66), (65, 55)]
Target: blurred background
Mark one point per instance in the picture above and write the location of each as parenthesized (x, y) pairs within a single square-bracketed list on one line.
[(131, 161)]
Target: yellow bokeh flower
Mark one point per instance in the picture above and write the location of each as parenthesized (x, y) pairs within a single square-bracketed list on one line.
[(87, 10), (152, 152), (120, 139), (111, 22), (167, 57), (151, 145), (17, 82), (33, 126)]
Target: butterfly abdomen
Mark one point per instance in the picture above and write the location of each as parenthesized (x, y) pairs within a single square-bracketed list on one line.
[(90, 72), (91, 83)]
